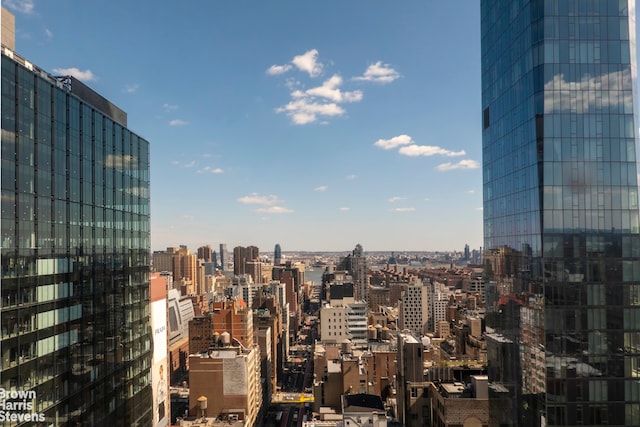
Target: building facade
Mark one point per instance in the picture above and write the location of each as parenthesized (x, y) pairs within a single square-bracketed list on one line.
[(229, 378), (413, 307), (205, 253), (561, 232), (277, 255), (75, 252)]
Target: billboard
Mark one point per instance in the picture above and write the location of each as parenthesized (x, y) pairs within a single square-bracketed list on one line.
[(159, 369)]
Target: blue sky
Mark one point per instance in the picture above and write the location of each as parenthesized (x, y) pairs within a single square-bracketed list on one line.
[(314, 124)]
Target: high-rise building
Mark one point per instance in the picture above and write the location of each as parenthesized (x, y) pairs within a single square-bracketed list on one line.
[(277, 255), (414, 307), (241, 256), (224, 257), (356, 264), (76, 336), (181, 263), (561, 233), (205, 253)]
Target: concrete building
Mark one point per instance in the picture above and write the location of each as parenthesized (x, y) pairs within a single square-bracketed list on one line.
[(201, 336), (343, 318), (263, 337), (410, 370), (455, 404), (363, 410), (438, 307), (234, 317), (181, 263), (242, 255), (180, 312), (343, 369), (229, 378), (205, 253), (268, 316), (414, 307), (333, 324)]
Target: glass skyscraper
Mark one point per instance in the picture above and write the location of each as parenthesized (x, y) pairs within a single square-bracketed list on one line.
[(75, 333), (561, 228)]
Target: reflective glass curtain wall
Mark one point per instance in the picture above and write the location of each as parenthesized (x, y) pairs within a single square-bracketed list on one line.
[(561, 211), (75, 255)]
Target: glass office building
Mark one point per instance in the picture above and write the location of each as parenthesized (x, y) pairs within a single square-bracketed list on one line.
[(562, 242), (75, 332)]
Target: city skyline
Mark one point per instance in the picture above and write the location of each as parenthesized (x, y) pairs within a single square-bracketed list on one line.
[(363, 127)]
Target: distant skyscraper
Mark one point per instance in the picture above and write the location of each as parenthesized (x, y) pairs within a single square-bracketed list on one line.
[(224, 257), (277, 255), (204, 253), (241, 256), (467, 253), (75, 317), (561, 232), (356, 265)]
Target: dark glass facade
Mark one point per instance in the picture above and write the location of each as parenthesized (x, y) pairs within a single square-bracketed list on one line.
[(75, 254), (562, 242)]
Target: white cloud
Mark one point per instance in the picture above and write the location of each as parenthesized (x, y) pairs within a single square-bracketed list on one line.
[(131, 88), (210, 169), (24, 6), (257, 199), (190, 164), (321, 189), (330, 90), (396, 199), (428, 150), (48, 33), (305, 110), (177, 122), (322, 101), (274, 70), (85, 76), (404, 209), (308, 62), (169, 107), (471, 191), (379, 73), (462, 164), (350, 177), (394, 142), (345, 209), (274, 210)]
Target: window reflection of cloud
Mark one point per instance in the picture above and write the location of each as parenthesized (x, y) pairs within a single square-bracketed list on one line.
[(589, 93), (117, 161)]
